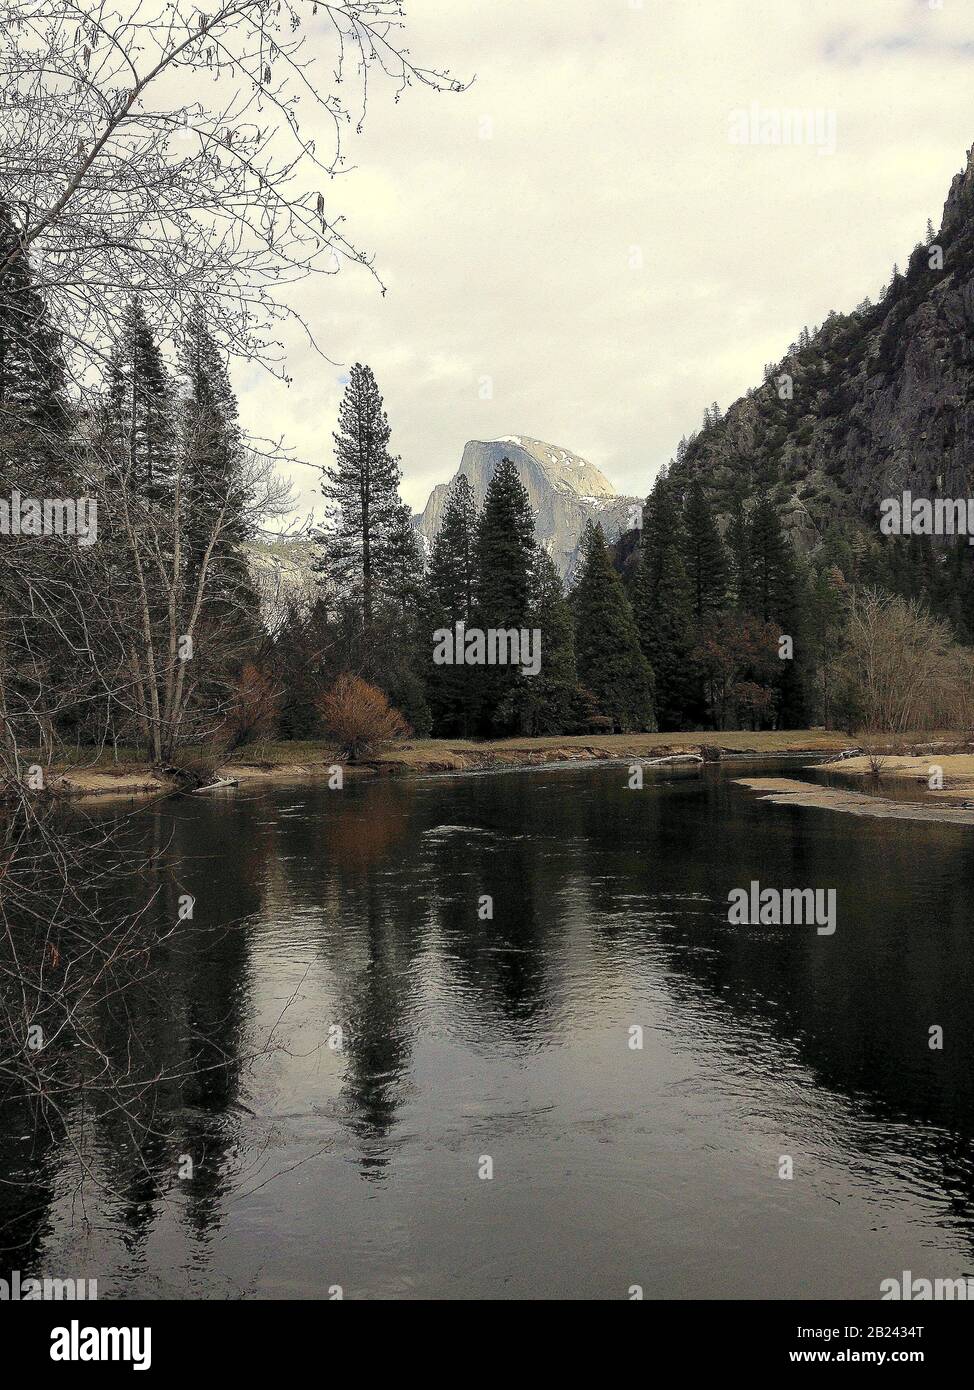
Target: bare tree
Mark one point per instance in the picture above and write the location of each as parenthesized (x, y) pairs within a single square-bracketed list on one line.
[(189, 156), (172, 617), (900, 668), (186, 154)]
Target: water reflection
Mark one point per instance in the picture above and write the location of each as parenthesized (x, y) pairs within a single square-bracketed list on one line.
[(506, 1032)]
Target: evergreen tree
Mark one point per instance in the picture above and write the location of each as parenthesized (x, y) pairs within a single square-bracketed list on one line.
[(403, 585), (771, 571), (663, 609), (451, 571), (453, 690), (504, 550), (36, 458), (34, 416), (775, 594), (738, 545), (611, 665), (399, 651), (705, 559), (504, 555), (212, 457), (138, 420), (548, 698), (362, 492), (824, 624)]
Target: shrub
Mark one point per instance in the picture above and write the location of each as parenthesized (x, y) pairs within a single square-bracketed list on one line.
[(253, 713), (358, 716)]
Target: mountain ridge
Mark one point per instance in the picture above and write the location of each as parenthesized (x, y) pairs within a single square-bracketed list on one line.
[(882, 398), (564, 489)]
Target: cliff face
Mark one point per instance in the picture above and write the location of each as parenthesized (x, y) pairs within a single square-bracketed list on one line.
[(282, 571), (882, 399), (565, 491)]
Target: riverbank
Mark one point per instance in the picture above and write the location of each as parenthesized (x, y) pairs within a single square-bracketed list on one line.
[(786, 791), (947, 775), (298, 761)]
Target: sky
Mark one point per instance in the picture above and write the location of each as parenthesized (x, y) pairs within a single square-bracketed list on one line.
[(588, 246)]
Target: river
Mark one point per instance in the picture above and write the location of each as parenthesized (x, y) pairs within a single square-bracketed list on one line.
[(375, 1083)]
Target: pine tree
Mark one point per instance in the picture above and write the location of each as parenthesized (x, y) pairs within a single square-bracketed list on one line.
[(504, 550), (663, 609), (138, 419), (504, 555), (705, 559), (398, 650), (36, 457), (453, 691), (403, 584), (362, 491), (771, 571), (738, 545), (451, 571), (34, 416), (611, 665), (825, 620), (212, 455), (548, 698), (776, 594)]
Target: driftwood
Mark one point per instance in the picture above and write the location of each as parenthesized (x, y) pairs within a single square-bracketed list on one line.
[(673, 758), (212, 786)]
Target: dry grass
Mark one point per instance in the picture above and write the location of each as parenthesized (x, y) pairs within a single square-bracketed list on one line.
[(311, 757), (957, 770)]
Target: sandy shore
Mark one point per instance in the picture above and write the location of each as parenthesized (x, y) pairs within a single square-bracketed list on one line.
[(785, 791), (956, 769), (429, 756)]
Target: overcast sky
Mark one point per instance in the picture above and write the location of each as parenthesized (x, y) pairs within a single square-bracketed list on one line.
[(580, 228)]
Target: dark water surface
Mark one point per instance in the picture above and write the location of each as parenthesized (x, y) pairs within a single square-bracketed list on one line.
[(467, 1039)]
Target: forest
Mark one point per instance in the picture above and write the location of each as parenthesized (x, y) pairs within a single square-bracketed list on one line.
[(161, 637)]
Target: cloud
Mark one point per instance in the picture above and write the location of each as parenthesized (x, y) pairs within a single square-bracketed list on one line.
[(578, 228)]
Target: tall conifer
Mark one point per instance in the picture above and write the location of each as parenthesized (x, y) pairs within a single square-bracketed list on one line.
[(453, 690), (138, 423), (213, 454), (504, 555), (549, 697), (705, 558), (362, 493), (661, 599), (611, 666)]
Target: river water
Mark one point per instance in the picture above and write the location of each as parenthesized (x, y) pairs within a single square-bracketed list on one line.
[(484, 1124)]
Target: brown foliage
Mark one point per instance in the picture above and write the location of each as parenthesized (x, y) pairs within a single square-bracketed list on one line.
[(738, 656), (358, 716), (252, 716), (901, 670)]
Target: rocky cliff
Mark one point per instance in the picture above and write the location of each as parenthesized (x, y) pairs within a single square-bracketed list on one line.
[(873, 402), (564, 489)]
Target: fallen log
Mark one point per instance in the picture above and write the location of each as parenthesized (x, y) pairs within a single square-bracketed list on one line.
[(673, 758), (212, 786)]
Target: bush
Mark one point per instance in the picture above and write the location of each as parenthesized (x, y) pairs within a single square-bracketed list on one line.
[(358, 716), (253, 713)]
